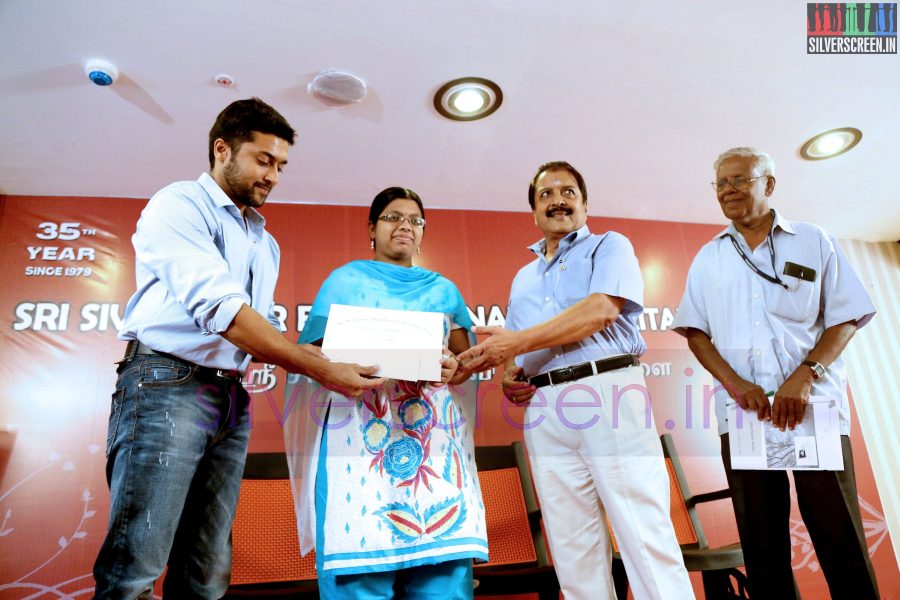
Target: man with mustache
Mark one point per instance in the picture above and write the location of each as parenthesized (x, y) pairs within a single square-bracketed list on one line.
[(768, 307), (179, 423), (570, 350)]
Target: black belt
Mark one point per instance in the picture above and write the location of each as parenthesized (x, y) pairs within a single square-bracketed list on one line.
[(135, 347), (566, 374)]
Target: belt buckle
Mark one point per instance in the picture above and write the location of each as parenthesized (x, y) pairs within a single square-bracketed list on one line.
[(565, 373)]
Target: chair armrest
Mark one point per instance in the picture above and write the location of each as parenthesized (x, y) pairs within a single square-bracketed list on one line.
[(707, 497)]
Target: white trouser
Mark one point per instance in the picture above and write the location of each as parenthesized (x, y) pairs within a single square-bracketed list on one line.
[(595, 452)]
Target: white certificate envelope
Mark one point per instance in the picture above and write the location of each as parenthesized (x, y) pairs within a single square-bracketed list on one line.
[(813, 445), (405, 344)]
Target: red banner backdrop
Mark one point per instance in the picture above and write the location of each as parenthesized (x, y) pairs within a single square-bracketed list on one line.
[(66, 268)]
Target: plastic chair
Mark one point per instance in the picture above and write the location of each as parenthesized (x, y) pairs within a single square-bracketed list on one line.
[(266, 558), (719, 566), (519, 561)]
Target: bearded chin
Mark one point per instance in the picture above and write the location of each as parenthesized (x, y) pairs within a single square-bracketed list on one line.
[(245, 198), (241, 193)]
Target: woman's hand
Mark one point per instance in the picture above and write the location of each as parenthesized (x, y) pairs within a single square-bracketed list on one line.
[(449, 364)]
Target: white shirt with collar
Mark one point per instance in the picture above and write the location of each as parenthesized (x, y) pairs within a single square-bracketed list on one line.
[(762, 330)]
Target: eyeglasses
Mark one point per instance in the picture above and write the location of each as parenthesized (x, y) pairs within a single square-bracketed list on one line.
[(392, 218), (740, 183)]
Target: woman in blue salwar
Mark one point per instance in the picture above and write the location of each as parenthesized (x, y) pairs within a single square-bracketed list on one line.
[(385, 485)]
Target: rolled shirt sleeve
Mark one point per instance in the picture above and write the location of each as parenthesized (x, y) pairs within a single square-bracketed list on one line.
[(189, 264), (198, 260)]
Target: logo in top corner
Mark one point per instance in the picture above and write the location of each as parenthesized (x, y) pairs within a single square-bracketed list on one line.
[(851, 28)]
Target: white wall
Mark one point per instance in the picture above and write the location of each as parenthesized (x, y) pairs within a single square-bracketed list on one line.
[(873, 360)]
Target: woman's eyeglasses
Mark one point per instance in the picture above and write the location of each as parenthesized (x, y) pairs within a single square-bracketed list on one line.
[(392, 218)]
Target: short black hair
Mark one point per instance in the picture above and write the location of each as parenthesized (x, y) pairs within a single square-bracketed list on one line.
[(388, 195), (556, 165), (237, 122)]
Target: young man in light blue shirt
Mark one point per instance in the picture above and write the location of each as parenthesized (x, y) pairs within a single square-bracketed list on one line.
[(179, 423)]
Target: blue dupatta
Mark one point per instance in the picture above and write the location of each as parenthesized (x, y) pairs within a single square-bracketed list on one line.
[(376, 284)]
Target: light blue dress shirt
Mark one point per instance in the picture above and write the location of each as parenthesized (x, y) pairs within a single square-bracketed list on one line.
[(584, 264), (197, 261), (763, 330)]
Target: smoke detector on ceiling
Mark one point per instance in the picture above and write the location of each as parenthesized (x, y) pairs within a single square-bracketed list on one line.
[(337, 88), (224, 79), (101, 72)]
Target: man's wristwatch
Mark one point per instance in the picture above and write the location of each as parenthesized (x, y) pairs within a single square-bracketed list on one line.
[(817, 369)]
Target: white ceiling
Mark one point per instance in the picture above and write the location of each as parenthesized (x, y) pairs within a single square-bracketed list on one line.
[(640, 96)]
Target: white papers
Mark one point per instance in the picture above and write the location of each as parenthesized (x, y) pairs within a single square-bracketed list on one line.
[(405, 344), (814, 444)]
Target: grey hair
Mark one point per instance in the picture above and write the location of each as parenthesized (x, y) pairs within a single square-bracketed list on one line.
[(762, 158)]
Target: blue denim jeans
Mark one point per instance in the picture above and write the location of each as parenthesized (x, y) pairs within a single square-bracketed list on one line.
[(176, 447)]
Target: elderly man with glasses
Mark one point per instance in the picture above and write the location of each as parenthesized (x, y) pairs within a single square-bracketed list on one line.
[(768, 308)]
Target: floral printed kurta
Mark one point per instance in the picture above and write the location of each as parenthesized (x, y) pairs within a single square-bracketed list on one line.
[(395, 483), (401, 489)]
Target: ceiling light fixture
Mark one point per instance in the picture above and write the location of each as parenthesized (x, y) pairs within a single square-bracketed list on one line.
[(468, 99), (337, 88), (831, 143)]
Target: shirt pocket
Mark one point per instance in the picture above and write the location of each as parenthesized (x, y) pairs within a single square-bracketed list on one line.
[(799, 302), (574, 280)]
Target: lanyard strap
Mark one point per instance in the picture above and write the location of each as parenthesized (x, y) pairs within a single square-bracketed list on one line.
[(756, 269)]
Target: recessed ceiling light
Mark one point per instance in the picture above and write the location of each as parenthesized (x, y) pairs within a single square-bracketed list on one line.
[(468, 98), (831, 143)]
